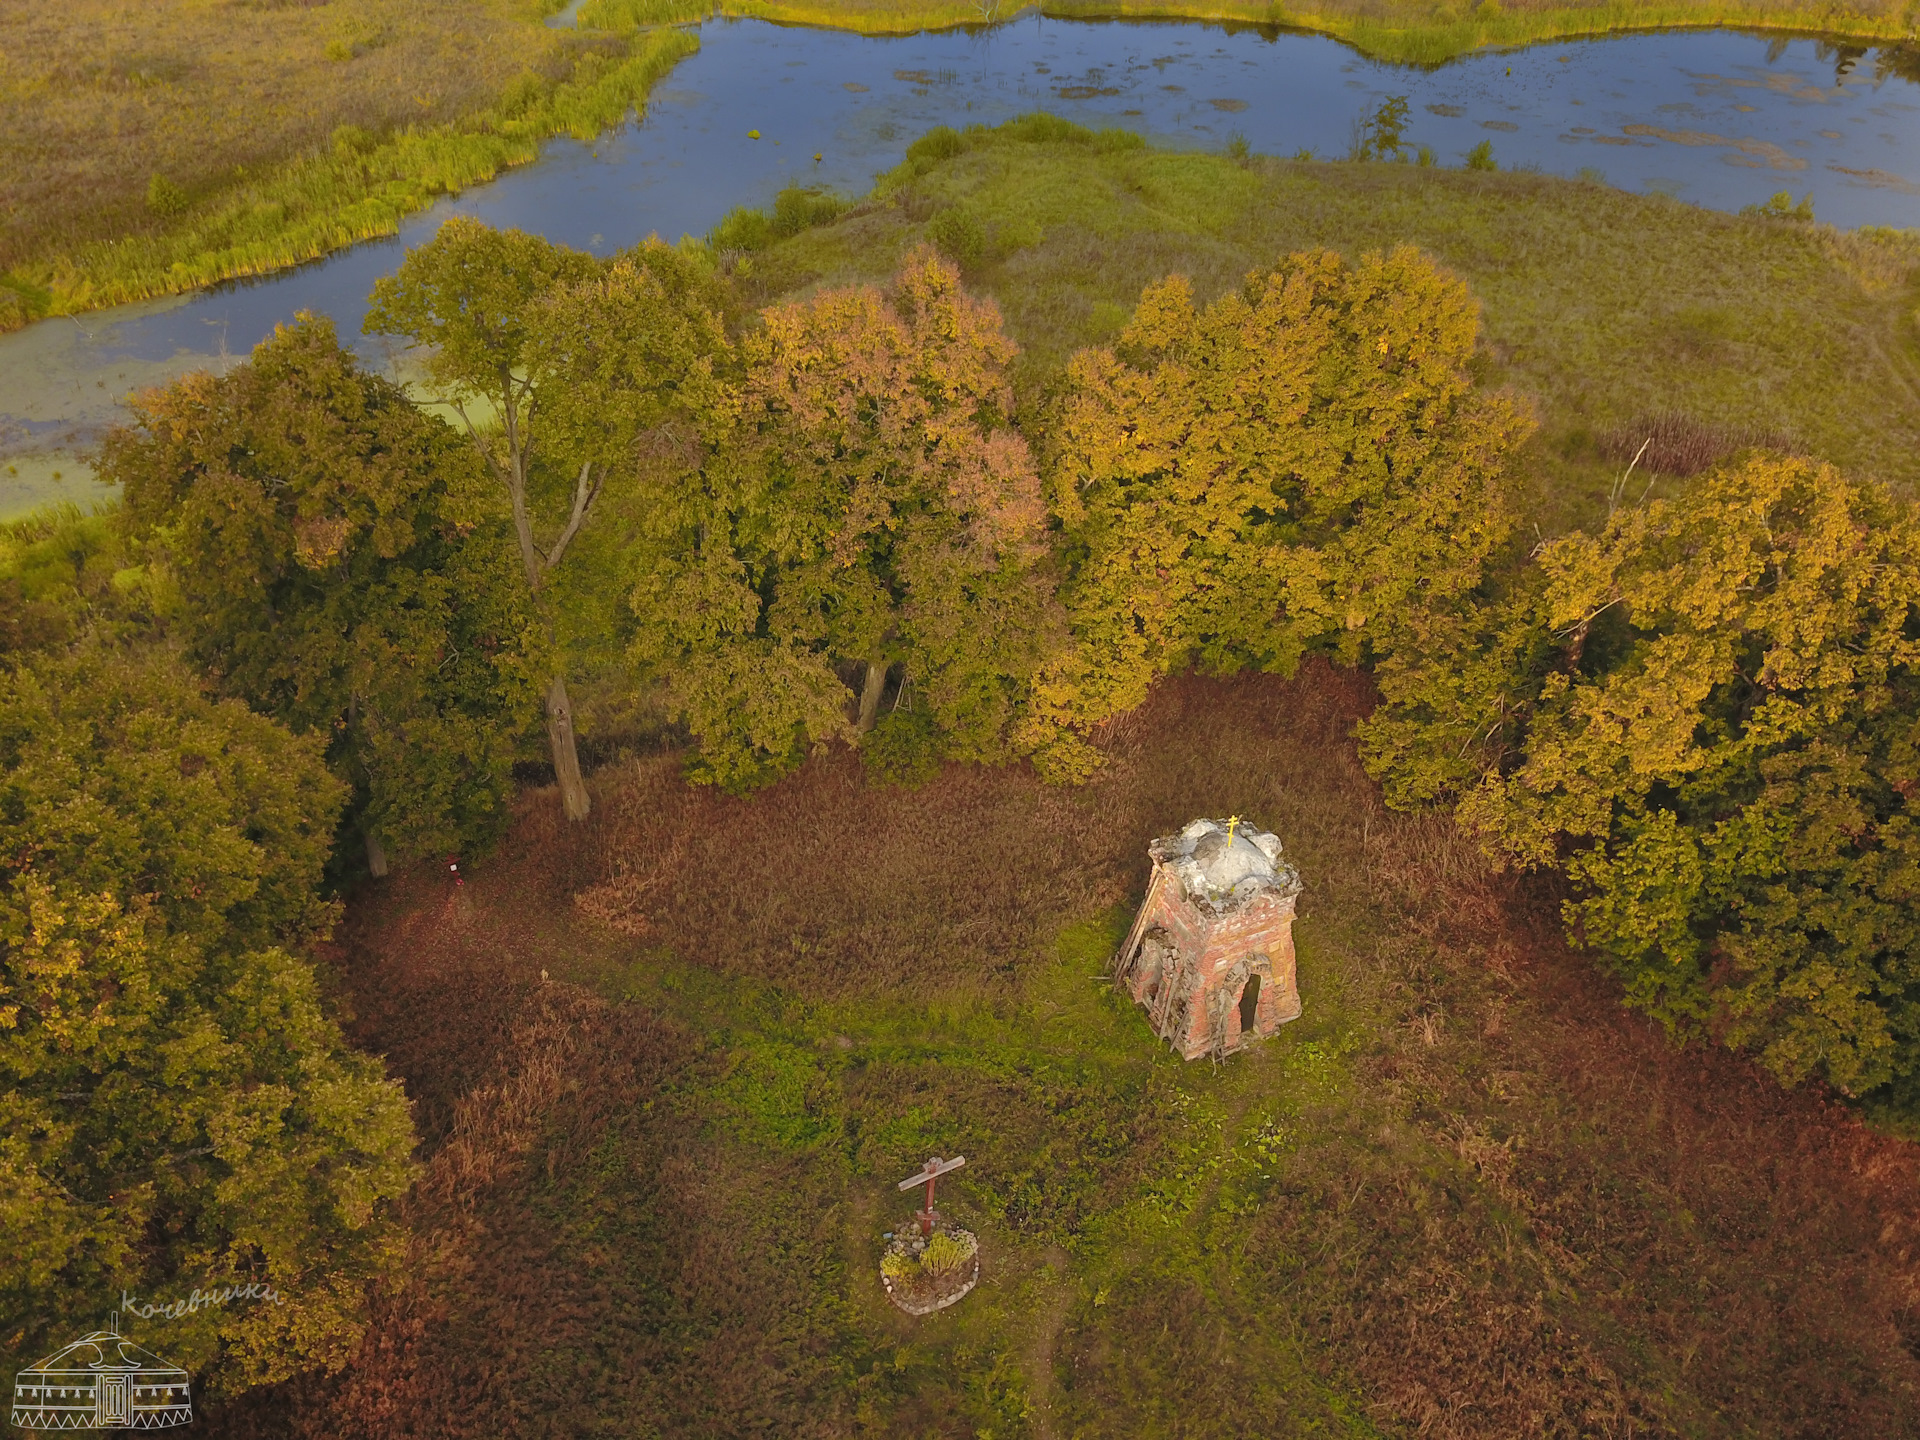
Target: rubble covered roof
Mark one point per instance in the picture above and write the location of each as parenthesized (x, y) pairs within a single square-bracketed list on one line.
[(1225, 873)]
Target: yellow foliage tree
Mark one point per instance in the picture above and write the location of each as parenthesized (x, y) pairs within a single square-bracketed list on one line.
[(860, 501), (1305, 463), (1708, 715), (178, 1109)]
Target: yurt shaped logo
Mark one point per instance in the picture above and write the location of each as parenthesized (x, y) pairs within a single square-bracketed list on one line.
[(102, 1382)]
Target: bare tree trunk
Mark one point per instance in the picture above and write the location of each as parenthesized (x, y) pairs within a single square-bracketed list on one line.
[(870, 694), (376, 852), (566, 756)]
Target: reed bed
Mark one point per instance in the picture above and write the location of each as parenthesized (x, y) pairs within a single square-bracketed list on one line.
[(100, 99), (1671, 443), (1422, 32), (360, 185), (1428, 32)]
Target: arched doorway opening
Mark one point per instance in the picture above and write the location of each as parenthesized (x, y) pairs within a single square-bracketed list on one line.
[(1249, 1004)]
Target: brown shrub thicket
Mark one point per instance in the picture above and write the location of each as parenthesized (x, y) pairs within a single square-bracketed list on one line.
[(1678, 444)]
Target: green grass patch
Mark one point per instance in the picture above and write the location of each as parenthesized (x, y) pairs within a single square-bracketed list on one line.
[(1101, 1169)]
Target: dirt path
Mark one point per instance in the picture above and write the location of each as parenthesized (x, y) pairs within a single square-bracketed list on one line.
[(1053, 1314)]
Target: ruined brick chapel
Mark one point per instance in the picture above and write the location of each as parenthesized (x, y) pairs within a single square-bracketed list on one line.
[(1210, 955)]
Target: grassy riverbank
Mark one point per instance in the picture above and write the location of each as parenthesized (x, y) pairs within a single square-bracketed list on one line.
[(1422, 32), (1604, 307), (197, 217), (156, 149), (98, 97)]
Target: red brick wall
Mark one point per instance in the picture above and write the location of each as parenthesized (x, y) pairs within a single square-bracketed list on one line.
[(1264, 927)]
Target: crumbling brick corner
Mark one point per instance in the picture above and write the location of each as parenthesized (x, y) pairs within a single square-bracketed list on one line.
[(1210, 955)]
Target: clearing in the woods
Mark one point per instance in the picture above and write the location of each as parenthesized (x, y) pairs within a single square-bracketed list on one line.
[(670, 1063)]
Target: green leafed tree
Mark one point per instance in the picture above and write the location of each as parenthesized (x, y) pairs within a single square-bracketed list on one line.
[(65, 573), (1709, 715), (860, 503), (339, 567), (1303, 464), (176, 1108), (563, 371)]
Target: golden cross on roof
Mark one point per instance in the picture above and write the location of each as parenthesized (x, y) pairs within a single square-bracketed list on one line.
[(1232, 820)]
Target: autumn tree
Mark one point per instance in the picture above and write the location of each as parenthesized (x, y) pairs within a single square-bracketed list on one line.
[(176, 1107), (338, 569), (1305, 463), (559, 369), (1709, 715), (862, 502)]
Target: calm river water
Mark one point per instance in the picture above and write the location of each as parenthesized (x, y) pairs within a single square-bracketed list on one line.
[(1716, 118)]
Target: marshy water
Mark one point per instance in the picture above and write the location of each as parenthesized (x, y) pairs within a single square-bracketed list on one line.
[(1718, 118)]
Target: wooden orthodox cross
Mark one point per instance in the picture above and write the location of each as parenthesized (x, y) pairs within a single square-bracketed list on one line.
[(930, 1172)]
